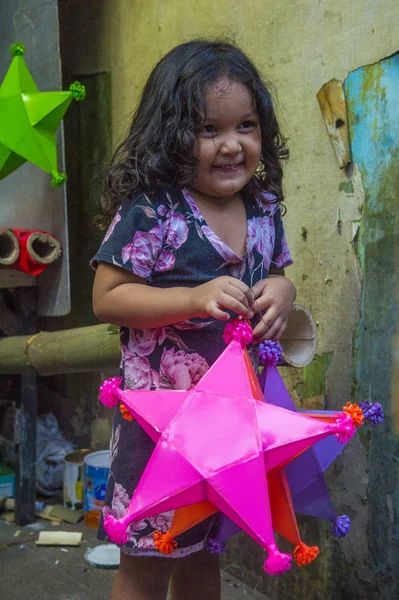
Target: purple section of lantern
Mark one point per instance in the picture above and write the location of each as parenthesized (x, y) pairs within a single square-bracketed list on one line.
[(309, 491)]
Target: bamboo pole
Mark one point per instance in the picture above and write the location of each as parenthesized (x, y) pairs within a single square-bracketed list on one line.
[(9, 247), (79, 350), (97, 348)]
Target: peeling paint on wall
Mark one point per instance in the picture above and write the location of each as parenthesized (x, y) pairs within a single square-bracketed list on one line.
[(372, 98), (332, 103), (347, 187)]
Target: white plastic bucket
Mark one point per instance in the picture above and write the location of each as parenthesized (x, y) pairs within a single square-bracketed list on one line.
[(73, 479), (96, 471)]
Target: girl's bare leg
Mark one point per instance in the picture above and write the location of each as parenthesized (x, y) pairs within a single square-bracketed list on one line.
[(142, 578), (196, 577)]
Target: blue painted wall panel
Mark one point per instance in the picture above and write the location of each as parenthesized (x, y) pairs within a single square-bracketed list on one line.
[(372, 95)]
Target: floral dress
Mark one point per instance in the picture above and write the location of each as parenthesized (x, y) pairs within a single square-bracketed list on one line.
[(166, 241)]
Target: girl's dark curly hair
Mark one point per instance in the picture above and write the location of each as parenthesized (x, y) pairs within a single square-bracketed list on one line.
[(158, 150)]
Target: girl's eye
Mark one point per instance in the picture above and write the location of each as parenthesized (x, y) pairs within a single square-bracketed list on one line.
[(208, 129), (248, 125)]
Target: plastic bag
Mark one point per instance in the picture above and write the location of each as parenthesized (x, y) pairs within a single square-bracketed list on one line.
[(51, 449)]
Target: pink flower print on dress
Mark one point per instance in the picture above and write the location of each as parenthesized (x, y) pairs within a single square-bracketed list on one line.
[(261, 237), (111, 228), (284, 259), (162, 522), (266, 234), (144, 250), (134, 528), (181, 370), (142, 342), (146, 542), (166, 261), (120, 503), (225, 252), (138, 372), (162, 210), (194, 208), (267, 203), (176, 229), (252, 234), (184, 325)]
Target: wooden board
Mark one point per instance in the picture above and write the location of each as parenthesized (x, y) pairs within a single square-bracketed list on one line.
[(13, 279)]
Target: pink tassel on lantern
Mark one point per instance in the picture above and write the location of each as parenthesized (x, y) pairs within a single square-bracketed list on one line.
[(109, 391), (115, 530), (240, 330), (345, 428), (277, 562)]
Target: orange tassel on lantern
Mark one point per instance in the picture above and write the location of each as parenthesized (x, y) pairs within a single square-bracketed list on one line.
[(304, 555), (164, 542), (355, 412), (125, 412)]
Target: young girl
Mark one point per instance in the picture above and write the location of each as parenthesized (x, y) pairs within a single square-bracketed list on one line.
[(196, 238)]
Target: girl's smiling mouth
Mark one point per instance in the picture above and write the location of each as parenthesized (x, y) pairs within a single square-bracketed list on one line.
[(231, 168)]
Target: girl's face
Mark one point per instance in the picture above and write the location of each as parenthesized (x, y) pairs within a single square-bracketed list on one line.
[(228, 146)]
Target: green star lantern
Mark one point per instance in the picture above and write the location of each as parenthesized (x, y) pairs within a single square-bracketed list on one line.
[(29, 119)]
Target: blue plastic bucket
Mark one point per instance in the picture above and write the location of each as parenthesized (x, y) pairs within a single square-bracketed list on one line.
[(96, 471)]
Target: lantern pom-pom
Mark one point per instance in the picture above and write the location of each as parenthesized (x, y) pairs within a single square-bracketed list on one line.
[(108, 391), (270, 353), (304, 555), (58, 178), (372, 412), (355, 413), (214, 547), (239, 330), (341, 526), (277, 563), (344, 427), (164, 542), (78, 90), (17, 49), (115, 530), (125, 412)]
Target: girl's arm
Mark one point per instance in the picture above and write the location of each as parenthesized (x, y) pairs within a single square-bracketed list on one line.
[(122, 298), (274, 297)]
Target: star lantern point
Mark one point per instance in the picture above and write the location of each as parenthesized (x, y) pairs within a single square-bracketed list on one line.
[(29, 119)]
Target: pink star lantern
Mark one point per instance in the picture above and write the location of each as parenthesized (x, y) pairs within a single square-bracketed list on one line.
[(216, 443)]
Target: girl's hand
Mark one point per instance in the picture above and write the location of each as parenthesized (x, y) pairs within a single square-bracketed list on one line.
[(275, 297), (222, 293)]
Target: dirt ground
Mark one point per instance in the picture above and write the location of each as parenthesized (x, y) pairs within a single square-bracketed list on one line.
[(57, 573)]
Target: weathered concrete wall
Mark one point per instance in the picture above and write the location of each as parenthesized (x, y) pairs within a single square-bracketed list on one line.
[(299, 46), (372, 95)]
